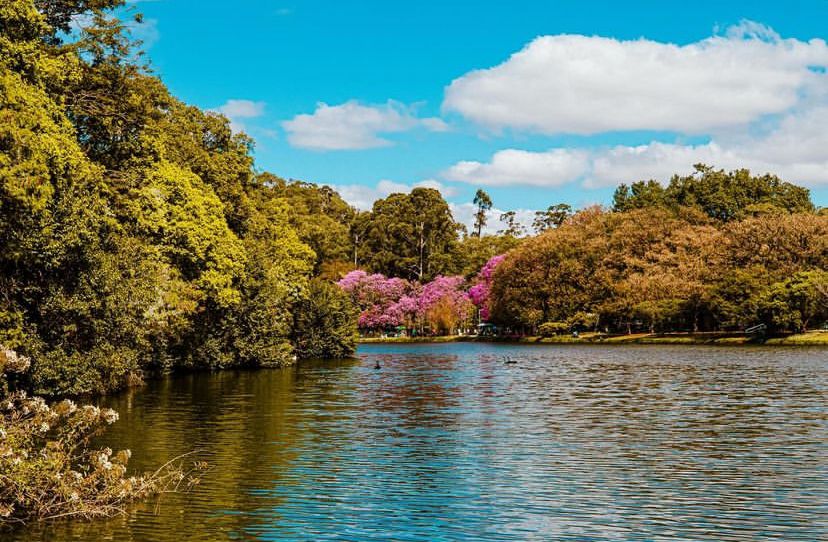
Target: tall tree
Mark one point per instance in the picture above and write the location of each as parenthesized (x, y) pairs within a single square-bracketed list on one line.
[(484, 204), (411, 235), (513, 227), (552, 217), (719, 194)]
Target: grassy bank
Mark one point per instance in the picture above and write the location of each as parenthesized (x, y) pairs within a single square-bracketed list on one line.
[(811, 338)]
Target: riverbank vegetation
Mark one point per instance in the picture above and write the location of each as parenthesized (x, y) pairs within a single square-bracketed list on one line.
[(136, 235), (810, 338), (48, 467), (713, 251)]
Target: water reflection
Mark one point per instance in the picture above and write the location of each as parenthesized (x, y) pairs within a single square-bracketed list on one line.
[(449, 443)]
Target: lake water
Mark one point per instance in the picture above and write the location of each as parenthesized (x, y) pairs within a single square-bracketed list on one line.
[(448, 442)]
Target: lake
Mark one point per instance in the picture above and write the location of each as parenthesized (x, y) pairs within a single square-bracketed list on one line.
[(449, 442)]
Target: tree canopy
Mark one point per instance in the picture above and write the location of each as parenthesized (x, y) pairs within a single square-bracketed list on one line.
[(721, 195)]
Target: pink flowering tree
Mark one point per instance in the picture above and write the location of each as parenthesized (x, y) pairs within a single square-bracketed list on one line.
[(479, 293), (384, 302), (444, 304), (440, 306)]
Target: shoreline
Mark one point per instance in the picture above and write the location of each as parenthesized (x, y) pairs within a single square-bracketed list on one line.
[(811, 338)]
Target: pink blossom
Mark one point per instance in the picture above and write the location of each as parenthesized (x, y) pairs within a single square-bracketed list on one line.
[(479, 293), (384, 302)]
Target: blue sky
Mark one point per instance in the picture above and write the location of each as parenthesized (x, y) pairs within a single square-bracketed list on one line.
[(551, 101)]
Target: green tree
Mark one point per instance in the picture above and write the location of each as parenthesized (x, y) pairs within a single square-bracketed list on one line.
[(797, 302), (513, 227), (484, 204), (637, 195), (552, 217), (411, 235), (721, 195), (325, 323)]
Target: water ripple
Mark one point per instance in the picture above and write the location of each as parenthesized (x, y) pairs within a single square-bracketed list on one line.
[(449, 443)]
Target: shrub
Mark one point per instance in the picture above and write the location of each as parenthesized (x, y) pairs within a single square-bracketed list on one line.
[(549, 329), (325, 322), (49, 469)]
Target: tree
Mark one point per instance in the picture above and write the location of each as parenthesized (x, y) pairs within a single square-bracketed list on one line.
[(60, 13), (384, 302), (552, 217), (411, 235), (325, 323), (321, 217), (472, 253), (359, 227), (480, 292), (639, 194), (444, 305), (513, 227), (484, 204), (723, 196), (135, 234), (797, 302)]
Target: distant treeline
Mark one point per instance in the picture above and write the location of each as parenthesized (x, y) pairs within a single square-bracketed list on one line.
[(711, 251)]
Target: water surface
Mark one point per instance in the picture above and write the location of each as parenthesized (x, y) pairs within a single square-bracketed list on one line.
[(447, 442)]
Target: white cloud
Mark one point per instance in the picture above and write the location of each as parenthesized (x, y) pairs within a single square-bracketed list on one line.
[(146, 32), (236, 110), (242, 109), (586, 85), (513, 166), (794, 150), (352, 125), (363, 196), (464, 214)]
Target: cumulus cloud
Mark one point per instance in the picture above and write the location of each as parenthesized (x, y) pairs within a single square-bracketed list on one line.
[(352, 125), (513, 166), (363, 196), (588, 84), (237, 110), (794, 149)]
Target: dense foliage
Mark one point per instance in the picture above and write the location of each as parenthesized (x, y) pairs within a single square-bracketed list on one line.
[(721, 195), (135, 234), (137, 237), (658, 269), (441, 306), (326, 322)]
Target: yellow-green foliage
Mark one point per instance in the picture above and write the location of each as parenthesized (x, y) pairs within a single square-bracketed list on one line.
[(656, 269), (183, 216), (134, 234)]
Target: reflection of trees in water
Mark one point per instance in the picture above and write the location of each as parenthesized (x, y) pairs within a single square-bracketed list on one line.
[(418, 391), (647, 434), (664, 400), (246, 427), (413, 409)]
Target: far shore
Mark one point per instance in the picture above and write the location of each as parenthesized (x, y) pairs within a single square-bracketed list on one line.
[(811, 338)]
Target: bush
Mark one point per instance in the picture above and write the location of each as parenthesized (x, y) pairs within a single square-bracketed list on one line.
[(325, 323), (550, 329), (49, 470)]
